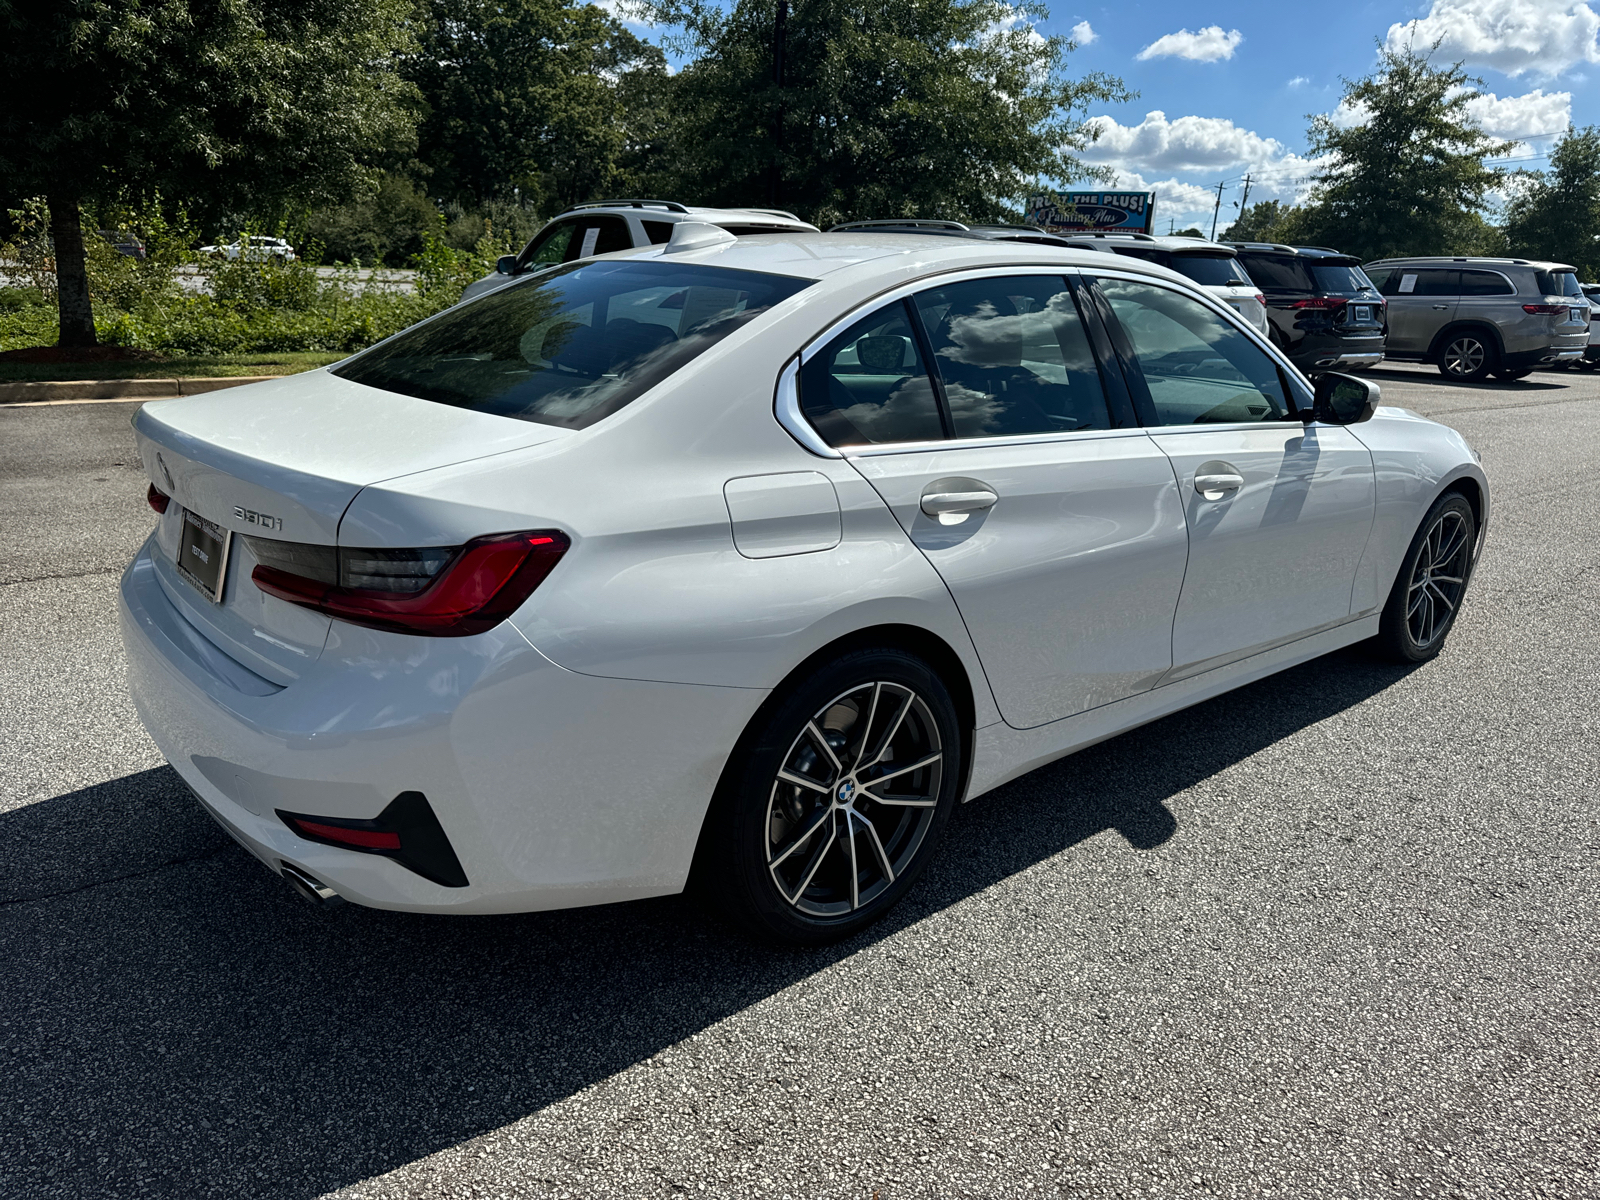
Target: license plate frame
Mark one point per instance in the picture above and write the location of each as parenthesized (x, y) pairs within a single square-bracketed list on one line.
[(206, 545), (1578, 314), (1361, 314)]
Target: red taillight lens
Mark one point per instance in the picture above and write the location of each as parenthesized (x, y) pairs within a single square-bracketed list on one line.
[(484, 583), (1321, 302), (365, 839), (1261, 300), (158, 499), (1544, 310)]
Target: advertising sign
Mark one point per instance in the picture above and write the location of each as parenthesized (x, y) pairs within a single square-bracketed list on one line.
[(1079, 212)]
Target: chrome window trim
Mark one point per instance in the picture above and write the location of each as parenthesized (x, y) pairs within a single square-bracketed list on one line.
[(786, 398)]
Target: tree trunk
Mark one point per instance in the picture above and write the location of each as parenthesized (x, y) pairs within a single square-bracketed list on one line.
[(72, 273)]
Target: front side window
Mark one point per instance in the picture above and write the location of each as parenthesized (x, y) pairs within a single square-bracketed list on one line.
[(870, 385), (1012, 357), (1197, 368), (572, 345), (549, 246)]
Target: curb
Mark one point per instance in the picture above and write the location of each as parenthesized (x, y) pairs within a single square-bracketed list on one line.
[(119, 389)]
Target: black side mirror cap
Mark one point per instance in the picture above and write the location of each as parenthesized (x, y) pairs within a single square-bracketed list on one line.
[(1343, 400), (506, 264)]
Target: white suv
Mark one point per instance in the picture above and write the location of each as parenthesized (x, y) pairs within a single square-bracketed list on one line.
[(607, 225), (1212, 265)]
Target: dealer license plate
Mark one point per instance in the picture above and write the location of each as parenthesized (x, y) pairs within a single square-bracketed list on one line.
[(1360, 313), (203, 555), (1580, 314)]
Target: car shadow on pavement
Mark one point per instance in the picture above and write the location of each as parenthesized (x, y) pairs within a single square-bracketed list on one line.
[(1538, 382), (174, 1022)]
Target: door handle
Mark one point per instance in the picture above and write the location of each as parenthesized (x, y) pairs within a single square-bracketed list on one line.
[(953, 500), (1215, 479), (1441, 308)]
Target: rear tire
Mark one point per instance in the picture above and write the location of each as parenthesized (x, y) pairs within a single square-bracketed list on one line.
[(1466, 357), (1433, 577), (832, 804)]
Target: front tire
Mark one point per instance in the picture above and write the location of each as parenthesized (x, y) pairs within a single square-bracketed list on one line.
[(831, 807), (1466, 357), (1427, 593)]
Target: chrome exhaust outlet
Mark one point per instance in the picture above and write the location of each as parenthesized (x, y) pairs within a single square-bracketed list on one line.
[(308, 887)]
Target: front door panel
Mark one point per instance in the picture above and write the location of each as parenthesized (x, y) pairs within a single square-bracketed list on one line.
[(1068, 582), (1275, 558)]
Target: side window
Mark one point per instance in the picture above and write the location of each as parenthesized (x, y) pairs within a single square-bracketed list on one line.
[(1438, 283), (549, 247), (597, 235), (1197, 368), (871, 385), (1486, 283), (659, 232), (1385, 279), (1012, 356)]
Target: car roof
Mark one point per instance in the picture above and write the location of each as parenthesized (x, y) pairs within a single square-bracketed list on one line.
[(671, 211), (1431, 260), (904, 256), (1170, 243)]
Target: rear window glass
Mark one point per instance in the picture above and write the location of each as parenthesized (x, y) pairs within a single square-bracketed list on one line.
[(573, 345), (1336, 277), (1274, 274), (1558, 283), (1210, 270)]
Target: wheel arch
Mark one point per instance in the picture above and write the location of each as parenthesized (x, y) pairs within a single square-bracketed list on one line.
[(1475, 326)]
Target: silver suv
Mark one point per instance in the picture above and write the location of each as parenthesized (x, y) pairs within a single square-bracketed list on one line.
[(607, 225), (1482, 316)]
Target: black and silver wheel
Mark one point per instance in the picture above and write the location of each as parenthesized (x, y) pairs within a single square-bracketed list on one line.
[(1467, 357), (1433, 577), (828, 816)]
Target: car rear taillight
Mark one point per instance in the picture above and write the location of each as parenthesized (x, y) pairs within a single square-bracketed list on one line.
[(1544, 310), (1321, 302), (158, 499), (434, 591), (1261, 300)]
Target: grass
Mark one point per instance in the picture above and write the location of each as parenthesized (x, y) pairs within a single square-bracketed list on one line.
[(214, 367)]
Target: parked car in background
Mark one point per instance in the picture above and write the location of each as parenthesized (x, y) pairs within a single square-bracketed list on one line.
[(254, 248), (126, 243), (1475, 317), (1212, 265), (1031, 234), (1591, 353), (1321, 310), (605, 226)]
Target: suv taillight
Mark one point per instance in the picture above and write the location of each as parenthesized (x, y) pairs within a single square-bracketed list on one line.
[(441, 592), (1322, 302), (157, 499), (1544, 310)]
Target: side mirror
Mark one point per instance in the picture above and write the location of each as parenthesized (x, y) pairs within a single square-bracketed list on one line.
[(1343, 400), (506, 264)]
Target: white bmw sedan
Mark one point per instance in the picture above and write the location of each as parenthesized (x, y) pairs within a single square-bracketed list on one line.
[(745, 561)]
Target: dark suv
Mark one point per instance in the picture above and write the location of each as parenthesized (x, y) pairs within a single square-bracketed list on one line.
[(1323, 311)]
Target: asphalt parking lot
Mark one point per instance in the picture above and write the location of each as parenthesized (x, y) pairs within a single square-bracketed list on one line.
[(1330, 935)]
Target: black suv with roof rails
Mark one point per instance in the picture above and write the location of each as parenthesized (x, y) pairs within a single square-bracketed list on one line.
[(991, 233), (1322, 310)]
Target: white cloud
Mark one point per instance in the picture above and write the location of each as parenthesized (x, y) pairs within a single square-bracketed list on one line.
[(1083, 34), (1545, 37), (1203, 45), (1184, 144), (629, 12), (1520, 117), (1298, 81)]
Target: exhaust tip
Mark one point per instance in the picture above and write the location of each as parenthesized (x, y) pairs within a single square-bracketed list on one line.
[(308, 887)]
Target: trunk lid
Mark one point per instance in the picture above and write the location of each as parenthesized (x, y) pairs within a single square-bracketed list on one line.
[(283, 460)]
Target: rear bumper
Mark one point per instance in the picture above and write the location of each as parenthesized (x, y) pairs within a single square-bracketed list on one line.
[(1329, 353), (1544, 356), (555, 789)]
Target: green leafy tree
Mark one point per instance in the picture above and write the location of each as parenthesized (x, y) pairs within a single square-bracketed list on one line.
[(1408, 174), (235, 106), (524, 96), (1266, 221), (1555, 214), (882, 108)]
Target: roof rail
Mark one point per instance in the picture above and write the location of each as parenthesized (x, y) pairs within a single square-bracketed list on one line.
[(1261, 246), (774, 212), (1327, 249), (669, 205), (1104, 233), (1027, 228), (900, 223)]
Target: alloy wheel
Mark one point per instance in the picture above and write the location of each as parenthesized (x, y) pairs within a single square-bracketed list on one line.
[(1438, 579), (854, 798), (1465, 356)]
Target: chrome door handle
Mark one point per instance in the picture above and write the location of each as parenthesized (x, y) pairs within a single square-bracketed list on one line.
[(1215, 479), (1441, 307)]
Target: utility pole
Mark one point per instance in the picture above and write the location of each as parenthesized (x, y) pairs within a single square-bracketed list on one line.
[(1244, 201), (1216, 211), (779, 24)]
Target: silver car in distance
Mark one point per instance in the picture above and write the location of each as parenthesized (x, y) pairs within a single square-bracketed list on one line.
[(741, 563)]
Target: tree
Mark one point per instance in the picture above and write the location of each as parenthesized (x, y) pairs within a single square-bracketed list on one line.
[(874, 108), (1266, 221), (239, 106), (1555, 214), (525, 95), (1405, 170)]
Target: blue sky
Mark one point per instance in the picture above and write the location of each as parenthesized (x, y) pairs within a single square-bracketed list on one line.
[(1225, 88)]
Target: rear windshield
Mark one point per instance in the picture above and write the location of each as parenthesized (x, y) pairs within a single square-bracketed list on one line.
[(1557, 283), (572, 345), (1339, 278), (1277, 274), (1211, 270)]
